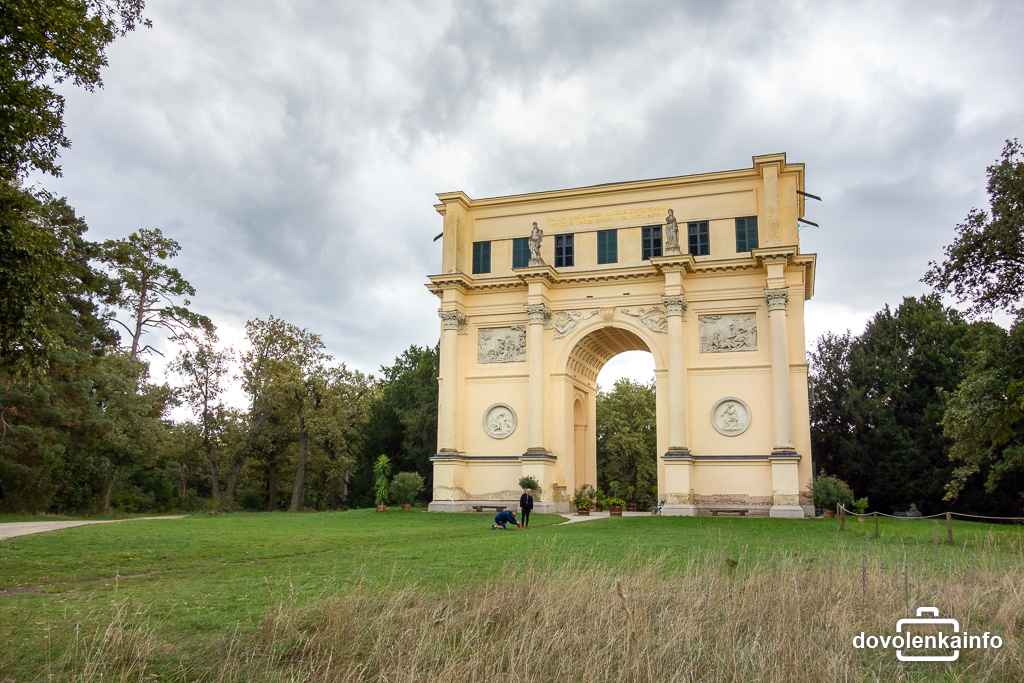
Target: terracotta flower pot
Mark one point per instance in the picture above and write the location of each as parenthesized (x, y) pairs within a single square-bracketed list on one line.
[(583, 513), (407, 506), (631, 507), (615, 511), (829, 514), (382, 508)]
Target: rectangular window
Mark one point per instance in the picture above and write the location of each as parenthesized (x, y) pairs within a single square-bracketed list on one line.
[(607, 246), (650, 245), (700, 242), (563, 250), (481, 257), (520, 252), (746, 234)]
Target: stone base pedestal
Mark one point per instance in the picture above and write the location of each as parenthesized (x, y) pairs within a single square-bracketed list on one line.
[(790, 511), (679, 510), (448, 506)]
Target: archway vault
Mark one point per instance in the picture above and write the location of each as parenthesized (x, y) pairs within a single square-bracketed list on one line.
[(599, 346)]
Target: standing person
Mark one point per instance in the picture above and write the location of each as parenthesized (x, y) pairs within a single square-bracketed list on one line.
[(525, 507), (503, 519)]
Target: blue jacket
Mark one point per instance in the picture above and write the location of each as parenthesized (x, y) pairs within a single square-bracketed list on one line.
[(505, 517)]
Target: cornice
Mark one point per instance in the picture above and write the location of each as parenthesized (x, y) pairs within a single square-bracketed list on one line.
[(753, 171)]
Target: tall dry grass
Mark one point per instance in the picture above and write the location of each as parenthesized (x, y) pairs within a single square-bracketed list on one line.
[(717, 620)]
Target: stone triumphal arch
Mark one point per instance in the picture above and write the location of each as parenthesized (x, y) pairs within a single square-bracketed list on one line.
[(538, 291)]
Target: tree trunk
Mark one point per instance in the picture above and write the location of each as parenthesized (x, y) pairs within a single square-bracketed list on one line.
[(299, 489), (272, 484), (214, 474), (139, 315), (232, 483), (108, 490), (182, 481)]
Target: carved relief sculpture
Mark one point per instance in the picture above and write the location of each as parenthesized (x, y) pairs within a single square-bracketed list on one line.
[(502, 344), (727, 333), (653, 318), (500, 421), (730, 417), (565, 322), (671, 234), (536, 238)]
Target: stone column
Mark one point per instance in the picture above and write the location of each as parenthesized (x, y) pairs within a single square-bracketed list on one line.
[(678, 461), (537, 315), (447, 396), (784, 459)]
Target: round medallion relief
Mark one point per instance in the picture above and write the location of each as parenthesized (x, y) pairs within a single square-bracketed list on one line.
[(730, 416), (500, 421)]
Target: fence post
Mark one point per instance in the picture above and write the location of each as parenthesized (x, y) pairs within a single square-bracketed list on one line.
[(875, 514), (949, 529), (842, 517)]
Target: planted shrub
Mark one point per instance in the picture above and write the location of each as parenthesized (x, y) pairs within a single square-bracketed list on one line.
[(828, 491), (405, 487), (381, 474), (584, 497), (529, 483)]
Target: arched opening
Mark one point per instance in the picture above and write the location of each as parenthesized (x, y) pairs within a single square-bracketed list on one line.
[(615, 366)]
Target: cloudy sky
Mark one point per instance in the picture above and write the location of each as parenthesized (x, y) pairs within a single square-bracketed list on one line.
[(294, 148)]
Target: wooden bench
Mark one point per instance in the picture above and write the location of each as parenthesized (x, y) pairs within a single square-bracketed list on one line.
[(729, 511), (496, 508)]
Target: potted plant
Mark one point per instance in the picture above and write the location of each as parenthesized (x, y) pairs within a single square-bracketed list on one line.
[(381, 473), (529, 483), (405, 487), (829, 491), (600, 500), (615, 506), (860, 506), (583, 500)]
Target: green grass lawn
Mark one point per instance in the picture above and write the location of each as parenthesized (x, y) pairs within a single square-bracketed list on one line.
[(197, 579)]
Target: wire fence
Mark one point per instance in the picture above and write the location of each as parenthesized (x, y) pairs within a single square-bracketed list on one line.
[(842, 512)]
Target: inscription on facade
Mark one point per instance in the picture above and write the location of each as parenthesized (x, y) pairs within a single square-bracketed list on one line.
[(626, 214), (726, 333), (502, 344)]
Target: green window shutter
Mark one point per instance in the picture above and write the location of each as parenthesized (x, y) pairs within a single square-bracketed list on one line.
[(746, 233), (520, 252), (481, 257), (563, 251), (607, 246), (650, 242), (699, 238)]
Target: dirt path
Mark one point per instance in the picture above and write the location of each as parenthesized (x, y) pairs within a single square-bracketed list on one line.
[(13, 529)]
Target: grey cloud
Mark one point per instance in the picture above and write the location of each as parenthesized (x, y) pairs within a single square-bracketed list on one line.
[(294, 148)]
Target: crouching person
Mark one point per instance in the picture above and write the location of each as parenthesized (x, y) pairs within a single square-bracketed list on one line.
[(503, 519)]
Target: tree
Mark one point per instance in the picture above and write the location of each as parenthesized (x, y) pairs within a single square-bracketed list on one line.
[(44, 43), (984, 266), (149, 290), (205, 368), (627, 441), (984, 418)]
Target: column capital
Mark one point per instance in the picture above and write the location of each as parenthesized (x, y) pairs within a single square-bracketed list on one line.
[(674, 305), (538, 313), (777, 298), (452, 320)]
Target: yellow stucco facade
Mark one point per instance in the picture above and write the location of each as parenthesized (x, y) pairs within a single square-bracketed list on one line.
[(521, 347)]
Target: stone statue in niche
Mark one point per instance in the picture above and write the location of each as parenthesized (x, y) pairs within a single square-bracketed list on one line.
[(536, 238), (730, 417), (727, 333), (499, 421), (671, 234), (502, 344)]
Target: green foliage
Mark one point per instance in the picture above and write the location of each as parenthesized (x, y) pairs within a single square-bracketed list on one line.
[(529, 483), (584, 497), (984, 418), (627, 441), (44, 44), (830, 491), (406, 486), (381, 473), (984, 266), (860, 505), (614, 501), (148, 291)]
